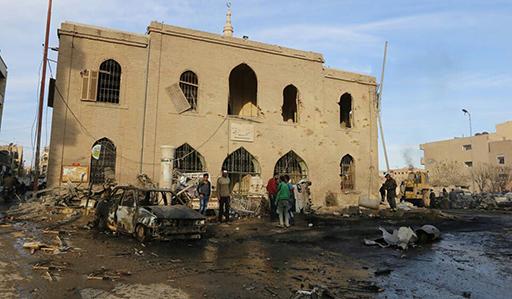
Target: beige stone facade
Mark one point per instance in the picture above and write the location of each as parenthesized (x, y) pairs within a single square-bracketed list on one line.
[(487, 148), (237, 89)]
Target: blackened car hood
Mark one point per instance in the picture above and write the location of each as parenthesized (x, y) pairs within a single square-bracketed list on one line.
[(174, 212)]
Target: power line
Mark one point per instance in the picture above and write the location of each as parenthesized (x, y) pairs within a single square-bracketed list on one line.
[(94, 139)]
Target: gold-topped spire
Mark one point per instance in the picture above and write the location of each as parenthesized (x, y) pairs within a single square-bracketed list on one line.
[(228, 28)]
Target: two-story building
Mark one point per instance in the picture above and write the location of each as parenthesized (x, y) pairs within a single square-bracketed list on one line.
[(224, 102)]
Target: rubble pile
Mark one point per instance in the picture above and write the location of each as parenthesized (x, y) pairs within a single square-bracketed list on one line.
[(484, 201)]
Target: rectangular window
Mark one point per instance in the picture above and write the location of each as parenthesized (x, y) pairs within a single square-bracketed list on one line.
[(467, 147), (501, 160), (469, 163)]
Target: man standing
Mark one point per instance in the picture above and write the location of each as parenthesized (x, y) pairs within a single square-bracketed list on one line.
[(204, 189), (390, 187), (224, 195), (272, 191)]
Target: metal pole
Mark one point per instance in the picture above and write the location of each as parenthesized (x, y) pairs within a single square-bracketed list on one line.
[(41, 95), (379, 97), (470, 126)]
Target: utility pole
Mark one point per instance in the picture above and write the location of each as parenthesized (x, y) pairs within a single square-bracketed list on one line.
[(379, 97), (41, 96)]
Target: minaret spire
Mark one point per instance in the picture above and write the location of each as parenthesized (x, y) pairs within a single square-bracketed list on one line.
[(228, 28)]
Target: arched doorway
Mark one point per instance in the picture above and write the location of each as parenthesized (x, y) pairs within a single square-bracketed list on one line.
[(103, 161), (243, 87), (292, 165), (241, 167)]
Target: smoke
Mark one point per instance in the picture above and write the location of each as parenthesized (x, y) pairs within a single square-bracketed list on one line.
[(407, 155)]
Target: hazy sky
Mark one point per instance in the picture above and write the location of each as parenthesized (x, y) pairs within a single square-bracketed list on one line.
[(444, 55)]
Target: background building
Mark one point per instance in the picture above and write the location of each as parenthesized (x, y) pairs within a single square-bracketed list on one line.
[(494, 149), (11, 159), (3, 84), (223, 102)]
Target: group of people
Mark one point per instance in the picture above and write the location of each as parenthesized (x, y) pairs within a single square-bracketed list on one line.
[(204, 190), (282, 199), (281, 193)]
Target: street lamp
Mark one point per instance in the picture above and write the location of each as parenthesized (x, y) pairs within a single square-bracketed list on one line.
[(466, 112)]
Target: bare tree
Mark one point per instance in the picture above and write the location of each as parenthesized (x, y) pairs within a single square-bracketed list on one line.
[(448, 173), (490, 177), (482, 175)]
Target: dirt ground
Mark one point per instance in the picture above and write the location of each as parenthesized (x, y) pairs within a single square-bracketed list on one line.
[(253, 258)]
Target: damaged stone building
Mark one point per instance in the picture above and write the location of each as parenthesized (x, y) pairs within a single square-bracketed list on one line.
[(223, 102)]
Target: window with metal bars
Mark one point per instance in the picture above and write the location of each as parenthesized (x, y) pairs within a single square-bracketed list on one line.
[(188, 160), (189, 85), (109, 82), (105, 166), (293, 166), (241, 166), (347, 173)]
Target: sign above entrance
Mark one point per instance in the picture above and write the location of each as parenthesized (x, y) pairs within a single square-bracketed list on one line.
[(241, 132)]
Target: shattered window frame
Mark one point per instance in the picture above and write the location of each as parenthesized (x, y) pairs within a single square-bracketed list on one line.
[(188, 160), (347, 173), (292, 165)]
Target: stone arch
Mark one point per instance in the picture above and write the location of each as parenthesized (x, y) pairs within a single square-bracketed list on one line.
[(347, 172), (292, 165), (103, 161), (243, 89), (188, 160), (346, 113), (289, 110), (241, 166)]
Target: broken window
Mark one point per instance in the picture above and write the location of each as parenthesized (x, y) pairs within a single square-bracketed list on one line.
[(243, 87), (347, 173), (346, 116), (109, 82), (501, 160), (188, 160), (467, 147), (189, 86), (468, 163), (290, 104), (103, 166), (293, 166), (241, 167)]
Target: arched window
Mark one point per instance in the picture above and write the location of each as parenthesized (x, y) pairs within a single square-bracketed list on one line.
[(103, 161), (188, 160), (290, 104), (241, 167), (109, 82), (347, 173), (243, 87), (189, 86), (292, 165), (346, 116)]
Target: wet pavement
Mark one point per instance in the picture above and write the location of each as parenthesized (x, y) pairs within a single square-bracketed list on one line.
[(253, 258)]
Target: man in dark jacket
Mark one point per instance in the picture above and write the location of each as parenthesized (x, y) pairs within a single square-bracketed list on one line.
[(204, 189), (390, 187)]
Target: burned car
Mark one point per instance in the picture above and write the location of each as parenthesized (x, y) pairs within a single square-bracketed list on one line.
[(149, 214)]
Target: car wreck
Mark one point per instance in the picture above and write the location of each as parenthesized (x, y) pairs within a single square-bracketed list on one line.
[(152, 214)]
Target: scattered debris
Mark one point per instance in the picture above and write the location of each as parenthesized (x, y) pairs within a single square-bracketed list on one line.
[(106, 274), (405, 237)]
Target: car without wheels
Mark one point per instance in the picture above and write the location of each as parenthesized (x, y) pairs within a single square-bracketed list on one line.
[(148, 214)]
